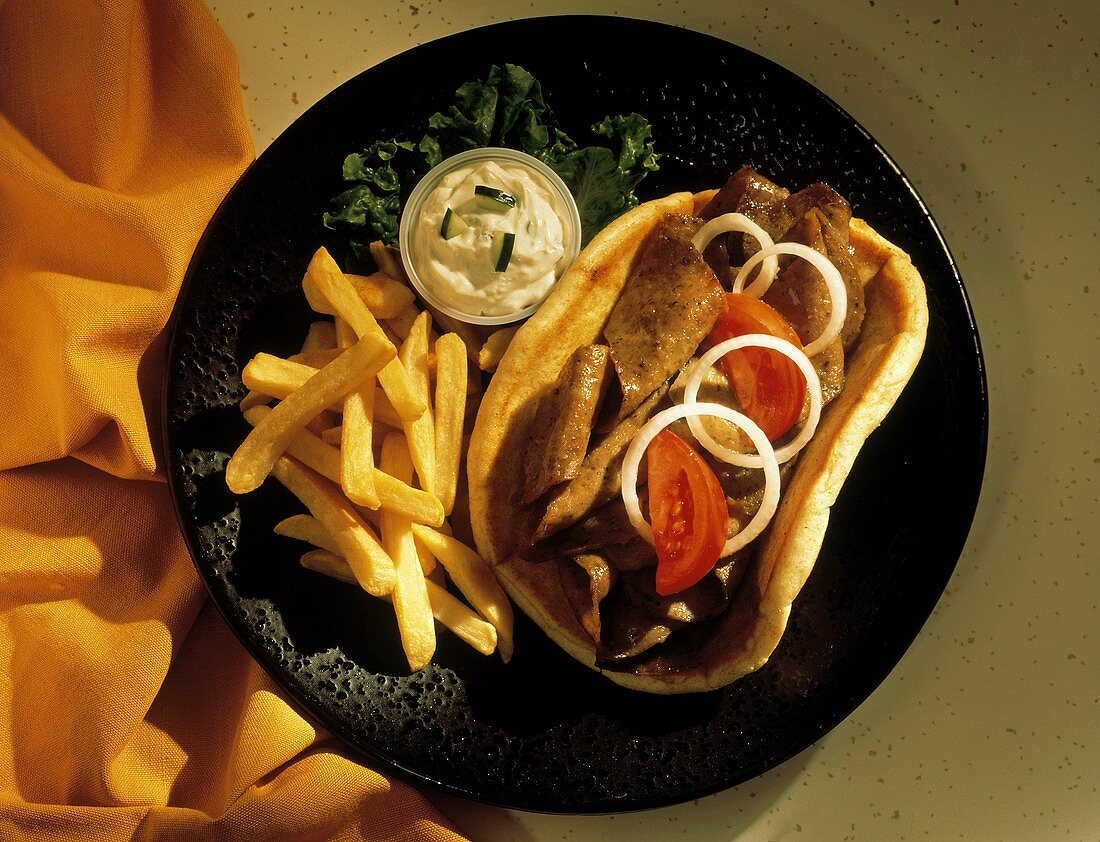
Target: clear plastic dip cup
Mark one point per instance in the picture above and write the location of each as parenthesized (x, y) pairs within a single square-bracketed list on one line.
[(413, 231)]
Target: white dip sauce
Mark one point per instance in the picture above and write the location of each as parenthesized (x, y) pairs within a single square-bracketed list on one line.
[(461, 271)]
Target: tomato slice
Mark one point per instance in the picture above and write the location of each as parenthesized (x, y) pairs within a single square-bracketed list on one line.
[(768, 385), (687, 510)]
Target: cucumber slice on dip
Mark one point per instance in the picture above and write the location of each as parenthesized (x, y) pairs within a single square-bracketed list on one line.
[(503, 243), (452, 225), (493, 199)]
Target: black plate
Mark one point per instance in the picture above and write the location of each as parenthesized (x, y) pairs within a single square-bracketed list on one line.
[(544, 733)]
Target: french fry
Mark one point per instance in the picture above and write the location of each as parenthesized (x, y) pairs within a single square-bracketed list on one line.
[(307, 528), (333, 435), (420, 432), (318, 358), (451, 613), (357, 457), (410, 593), (401, 473), (393, 494), (450, 412), (473, 381), (320, 337), (488, 357), (278, 377), (402, 323), (319, 349), (345, 335), (254, 398), (475, 580), (374, 569), (327, 288), (427, 562), (356, 451), (322, 421), (470, 337), (384, 413), (330, 563), (384, 296), (268, 439), (388, 260), (461, 620), (398, 497), (306, 447)]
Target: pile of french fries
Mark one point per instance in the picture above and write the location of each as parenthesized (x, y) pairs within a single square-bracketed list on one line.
[(366, 427)]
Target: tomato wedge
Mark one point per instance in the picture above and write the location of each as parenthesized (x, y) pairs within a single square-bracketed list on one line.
[(768, 385), (687, 510)]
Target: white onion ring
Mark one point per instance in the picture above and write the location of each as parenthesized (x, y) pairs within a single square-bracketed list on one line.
[(838, 293), (728, 222), (633, 458), (754, 340)]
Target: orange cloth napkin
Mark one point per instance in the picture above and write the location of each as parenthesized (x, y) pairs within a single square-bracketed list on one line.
[(127, 709)]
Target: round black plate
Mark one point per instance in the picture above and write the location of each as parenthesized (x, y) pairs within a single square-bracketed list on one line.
[(544, 733)]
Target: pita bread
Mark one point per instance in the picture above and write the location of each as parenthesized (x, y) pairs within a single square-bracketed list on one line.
[(741, 641)]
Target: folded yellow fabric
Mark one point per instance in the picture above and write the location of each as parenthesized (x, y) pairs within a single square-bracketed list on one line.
[(127, 709)]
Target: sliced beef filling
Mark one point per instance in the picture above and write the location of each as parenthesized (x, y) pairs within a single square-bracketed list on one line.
[(666, 309), (818, 217), (606, 526), (586, 582), (634, 618), (564, 422), (599, 478)]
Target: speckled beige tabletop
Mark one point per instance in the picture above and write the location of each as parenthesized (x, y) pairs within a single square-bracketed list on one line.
[(989, 728)]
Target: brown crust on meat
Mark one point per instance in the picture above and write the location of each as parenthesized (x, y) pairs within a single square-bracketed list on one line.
[(879, 366)]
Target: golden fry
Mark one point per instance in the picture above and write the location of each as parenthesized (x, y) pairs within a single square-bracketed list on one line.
[(475, 580), (402, 323), (345, 336), (420, 432), (357, 456), (254, 398), (388, 260), (489, 356), (402, 477), (410, 593), (384, 296), (306, 447), (309, 529), (269, 438), (384, 413), (328, 289), (470, 337), (393, 494), (451, 613), (413, 503), (319, 349), (319, 358), (324, 420), (330, 563), (373, 567), (277, 377), (450, 414), (461, 620), (321, 337), (403, 397)]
